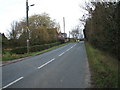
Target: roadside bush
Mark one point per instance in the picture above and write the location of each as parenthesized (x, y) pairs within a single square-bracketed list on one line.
[(22, 50), (43, 47), (61, 41), (37, 48), (102, 28), (54, 44)]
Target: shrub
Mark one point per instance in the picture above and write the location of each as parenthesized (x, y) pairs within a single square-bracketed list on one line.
[(35, 48), (20, 50)]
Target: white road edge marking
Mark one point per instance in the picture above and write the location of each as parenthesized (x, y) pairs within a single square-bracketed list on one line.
[(13, 82), (46, 63), (61, 54)]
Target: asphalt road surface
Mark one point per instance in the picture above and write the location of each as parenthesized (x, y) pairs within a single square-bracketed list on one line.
[(64, 67)]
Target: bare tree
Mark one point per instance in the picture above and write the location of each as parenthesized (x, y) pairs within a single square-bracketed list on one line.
[(15, 30)]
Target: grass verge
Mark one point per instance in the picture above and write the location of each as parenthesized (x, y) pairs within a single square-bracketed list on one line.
[(8, 56), (104, 68)]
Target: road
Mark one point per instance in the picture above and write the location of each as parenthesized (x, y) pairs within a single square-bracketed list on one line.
[(64, 67)]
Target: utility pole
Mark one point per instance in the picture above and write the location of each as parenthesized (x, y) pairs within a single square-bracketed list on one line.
[(64, 24), (27, 8), (69, 35), (28, 32), (64, 28)]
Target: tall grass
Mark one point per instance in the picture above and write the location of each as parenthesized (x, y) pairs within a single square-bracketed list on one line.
[(104, 68)]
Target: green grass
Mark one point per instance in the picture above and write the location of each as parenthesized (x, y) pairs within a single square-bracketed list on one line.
[(8, 56), (104, 68)]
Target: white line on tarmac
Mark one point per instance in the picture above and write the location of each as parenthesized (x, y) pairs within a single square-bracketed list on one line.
[(46, 63), (61, 54), (13, 82), (67, 49), (75, 45)]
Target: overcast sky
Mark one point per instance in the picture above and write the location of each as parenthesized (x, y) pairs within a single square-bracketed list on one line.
[(15, 10)]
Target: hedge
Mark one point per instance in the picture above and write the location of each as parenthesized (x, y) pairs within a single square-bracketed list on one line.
[(35, 48), (20, 50)]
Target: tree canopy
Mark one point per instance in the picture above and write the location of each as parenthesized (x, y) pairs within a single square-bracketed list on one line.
[(42, 30), (102, 27)]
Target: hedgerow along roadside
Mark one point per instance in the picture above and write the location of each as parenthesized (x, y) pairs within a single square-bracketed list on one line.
[(10, 55)]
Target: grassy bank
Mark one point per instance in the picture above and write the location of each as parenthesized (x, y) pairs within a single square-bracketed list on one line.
[(8, 56), (104, 69)]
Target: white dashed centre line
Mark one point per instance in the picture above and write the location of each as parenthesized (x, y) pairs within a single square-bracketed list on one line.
[(61, 54), (67, 49), (75, 45), (46, 63), (13, 82)]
